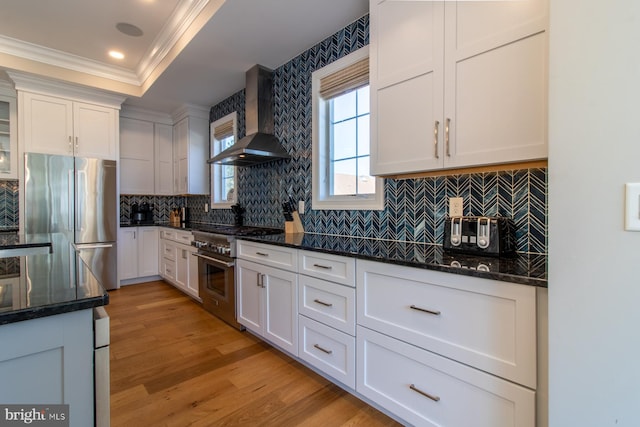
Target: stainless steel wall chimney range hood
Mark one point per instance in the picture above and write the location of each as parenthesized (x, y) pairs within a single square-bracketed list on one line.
[(260, 145)]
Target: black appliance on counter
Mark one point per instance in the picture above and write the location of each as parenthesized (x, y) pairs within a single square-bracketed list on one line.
[(216, 266), (480, 235), (141, 214)]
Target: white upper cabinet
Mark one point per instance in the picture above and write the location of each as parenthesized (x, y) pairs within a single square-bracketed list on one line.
[(163, 145), (146, 155), (8, 137), (61, 126), (191, 152), (136, 156), (457, 84)]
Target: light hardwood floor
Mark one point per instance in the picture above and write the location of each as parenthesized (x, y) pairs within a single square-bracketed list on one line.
[(174, 364)]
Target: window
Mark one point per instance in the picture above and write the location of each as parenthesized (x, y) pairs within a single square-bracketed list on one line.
[(341, 153), (223, 177)]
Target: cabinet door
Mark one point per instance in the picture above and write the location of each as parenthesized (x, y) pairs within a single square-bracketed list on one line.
[(496, 81), (128, 253), (148, 251), (95, 131), (8, 138), (163, 140), (249, 295), (46, 124), (182, 266), (192, 283), (406, 82), (281, 308), (136, 156), (180, 141), (429, 390)]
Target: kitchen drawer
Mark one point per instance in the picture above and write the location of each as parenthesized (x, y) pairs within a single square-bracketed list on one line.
[(168, 250), (168, 269), (429, 390), (487, 324), (184, 237), (329, 350), (336, 268), (327, 302), (168, 234), (275, 256)]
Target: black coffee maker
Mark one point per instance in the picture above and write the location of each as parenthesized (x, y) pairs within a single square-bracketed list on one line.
[(142, 213)]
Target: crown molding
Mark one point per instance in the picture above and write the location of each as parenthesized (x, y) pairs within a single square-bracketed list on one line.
[(138, 113), (61, 59), (177, 25), (76, 92), (190, 110)]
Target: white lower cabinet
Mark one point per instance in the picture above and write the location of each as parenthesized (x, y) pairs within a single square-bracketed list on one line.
[(267, 303), (329, 350), (178, 266), (426, 389), (137, 252)]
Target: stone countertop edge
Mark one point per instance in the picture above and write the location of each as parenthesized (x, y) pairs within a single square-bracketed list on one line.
[(155, 224), (504, 277), (53, 309)]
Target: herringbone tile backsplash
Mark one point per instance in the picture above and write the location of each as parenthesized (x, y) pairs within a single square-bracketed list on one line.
[(9, 212)]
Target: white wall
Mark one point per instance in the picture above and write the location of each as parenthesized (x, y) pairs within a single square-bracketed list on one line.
[(594, 267)]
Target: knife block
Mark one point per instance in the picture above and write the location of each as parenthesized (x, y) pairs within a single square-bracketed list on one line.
[(295, 226)]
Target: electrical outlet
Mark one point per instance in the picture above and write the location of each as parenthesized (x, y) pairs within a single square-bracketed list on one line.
[(206, 207), (456, 206), (300, 207)]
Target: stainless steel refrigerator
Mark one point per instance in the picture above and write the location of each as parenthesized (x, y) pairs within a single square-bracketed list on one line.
[(75, 197)]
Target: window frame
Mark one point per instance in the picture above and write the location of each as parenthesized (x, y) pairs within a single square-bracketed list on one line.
[(321, 168), (216, 169)]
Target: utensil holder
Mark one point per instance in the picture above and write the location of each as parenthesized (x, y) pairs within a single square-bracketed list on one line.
[(295, 226)]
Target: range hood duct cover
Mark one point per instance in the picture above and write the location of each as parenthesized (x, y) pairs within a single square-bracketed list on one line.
[(260, 145)]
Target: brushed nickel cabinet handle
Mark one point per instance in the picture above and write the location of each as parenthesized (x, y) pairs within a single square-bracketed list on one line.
[(261, 254), (435, 140), (326, 267), (326, 304), (446, 136), (76, 143), (259, 281), (70, 144), (324, 350), (424, 393), (425, 310)]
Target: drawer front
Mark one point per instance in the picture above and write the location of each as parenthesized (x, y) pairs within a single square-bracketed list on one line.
[(168, 250), (168, 234), (327, 302), (168, 269), (483, 323), (429, 390), (329, 267), (275, 256), (184, 237), (331, 351)]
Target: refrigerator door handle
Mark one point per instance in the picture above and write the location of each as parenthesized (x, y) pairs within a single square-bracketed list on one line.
[(70, 199), (93, 246), (82, 186)]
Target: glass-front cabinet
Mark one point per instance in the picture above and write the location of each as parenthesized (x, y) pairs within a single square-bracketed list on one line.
[(8, 138)]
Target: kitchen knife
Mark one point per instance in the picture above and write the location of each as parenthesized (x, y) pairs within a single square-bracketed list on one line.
[(286, 210)]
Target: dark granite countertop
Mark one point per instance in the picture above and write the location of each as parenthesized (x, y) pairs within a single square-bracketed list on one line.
[(40, 285), (11, 244), (156, 224), (522, 268)]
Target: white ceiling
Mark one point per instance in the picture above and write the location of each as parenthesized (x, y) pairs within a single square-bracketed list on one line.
[(210, 64)]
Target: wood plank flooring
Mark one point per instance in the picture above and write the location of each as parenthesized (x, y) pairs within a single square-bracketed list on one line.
[(174, 364)]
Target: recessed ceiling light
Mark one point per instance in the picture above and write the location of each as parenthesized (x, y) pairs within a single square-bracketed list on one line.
[(115, 54), (129, 29)]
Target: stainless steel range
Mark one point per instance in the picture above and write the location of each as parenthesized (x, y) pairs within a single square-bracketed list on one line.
[(216, 263)]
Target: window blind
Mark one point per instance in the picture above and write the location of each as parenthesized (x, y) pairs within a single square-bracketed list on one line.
[(223, 131), (349, 78)]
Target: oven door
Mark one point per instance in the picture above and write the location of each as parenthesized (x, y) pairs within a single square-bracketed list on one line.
[(216, 285)]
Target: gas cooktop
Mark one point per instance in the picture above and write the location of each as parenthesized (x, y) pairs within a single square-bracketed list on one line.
[(237, 230)]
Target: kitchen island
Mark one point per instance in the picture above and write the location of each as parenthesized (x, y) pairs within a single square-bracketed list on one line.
[(47, 327)]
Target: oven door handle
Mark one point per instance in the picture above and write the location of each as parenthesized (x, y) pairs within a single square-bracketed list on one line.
[(215, 261)]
